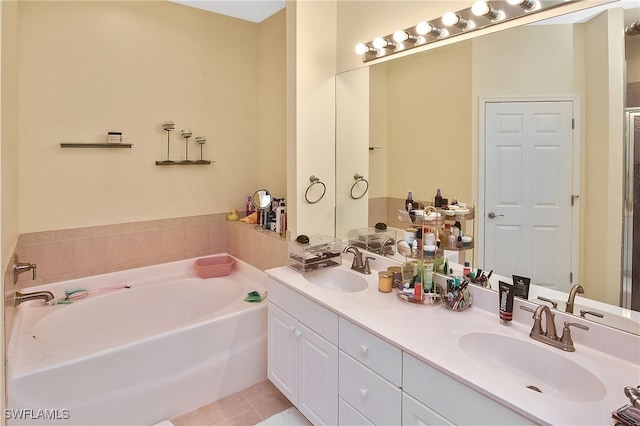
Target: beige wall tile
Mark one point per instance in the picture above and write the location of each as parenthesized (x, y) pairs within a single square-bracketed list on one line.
[(91, 253), (174, 243), (149, 245), (121, 249), (58, 258), (197, 238)]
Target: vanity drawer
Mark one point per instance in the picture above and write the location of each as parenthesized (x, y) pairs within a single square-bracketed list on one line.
[(371, 395), (316, 317), (377, 354), (444, 394), (349, 416), (416, 414)]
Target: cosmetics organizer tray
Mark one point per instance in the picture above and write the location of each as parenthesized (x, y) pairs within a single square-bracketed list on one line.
[(318, 253)]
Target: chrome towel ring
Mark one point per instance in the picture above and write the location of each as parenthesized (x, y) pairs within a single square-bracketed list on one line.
[(314, 181), (359, 178)]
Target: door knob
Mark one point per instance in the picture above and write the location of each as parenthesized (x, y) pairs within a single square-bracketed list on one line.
[(492, 215)]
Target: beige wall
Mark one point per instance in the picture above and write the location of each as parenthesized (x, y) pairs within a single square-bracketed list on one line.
[(311, 67), (90, 67), (8, 151), (271, 163), (429, 124)]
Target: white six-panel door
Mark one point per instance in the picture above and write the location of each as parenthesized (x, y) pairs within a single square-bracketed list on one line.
[(528, 190)]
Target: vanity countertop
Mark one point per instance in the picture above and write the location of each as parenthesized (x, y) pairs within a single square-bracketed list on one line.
[(432, 333)]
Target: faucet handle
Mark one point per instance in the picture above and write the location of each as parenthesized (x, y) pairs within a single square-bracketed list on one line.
[(566, 339), (553, 303), (367, 268), (583, 313), (537, 320)]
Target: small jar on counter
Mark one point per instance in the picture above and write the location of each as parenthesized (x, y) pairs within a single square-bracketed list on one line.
[(385, 281)]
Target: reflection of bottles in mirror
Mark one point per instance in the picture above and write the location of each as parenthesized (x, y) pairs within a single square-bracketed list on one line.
[(437, 201), (408, 203)]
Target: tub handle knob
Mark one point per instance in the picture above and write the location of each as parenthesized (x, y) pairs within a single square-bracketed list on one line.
[(364, 349)]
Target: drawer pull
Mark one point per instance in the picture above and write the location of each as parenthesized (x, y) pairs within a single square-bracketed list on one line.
[(364, 392), (364, 349), (294, 330)]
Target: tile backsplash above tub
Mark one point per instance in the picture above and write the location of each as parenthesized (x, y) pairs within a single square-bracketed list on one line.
[(75, 253)]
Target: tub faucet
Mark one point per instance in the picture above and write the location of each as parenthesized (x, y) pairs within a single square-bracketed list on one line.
[(549, 336), (20, 267), (19, 298), (358, 264), (577, 288)]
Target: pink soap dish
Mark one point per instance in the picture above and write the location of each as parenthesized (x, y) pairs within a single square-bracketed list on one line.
[(214, 266)]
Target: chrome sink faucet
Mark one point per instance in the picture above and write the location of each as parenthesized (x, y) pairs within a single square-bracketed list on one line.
[(549, 336), (358, 264), (577, 288), (19, 298)]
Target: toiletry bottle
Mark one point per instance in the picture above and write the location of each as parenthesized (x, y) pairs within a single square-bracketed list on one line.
[(437, 201), (417, 290), (466, 270), (249, 206), (408, 203), (283, 225), (429, 260), (279, 211)]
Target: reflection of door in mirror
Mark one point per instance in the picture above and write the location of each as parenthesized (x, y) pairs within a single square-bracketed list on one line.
[(631, 231), (528, 176)]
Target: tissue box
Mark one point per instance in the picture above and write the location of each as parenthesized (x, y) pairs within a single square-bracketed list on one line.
[(320, 252), (215, 266)]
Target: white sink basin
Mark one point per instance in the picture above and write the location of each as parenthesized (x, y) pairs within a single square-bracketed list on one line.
[(530, 365), (337, 280)]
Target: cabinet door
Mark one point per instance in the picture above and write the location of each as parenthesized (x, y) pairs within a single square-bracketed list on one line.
[(317, 378), (417, 414), (282, 352)]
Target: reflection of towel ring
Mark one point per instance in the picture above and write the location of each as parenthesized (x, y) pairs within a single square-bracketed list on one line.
[(359, 178), (314, 181)]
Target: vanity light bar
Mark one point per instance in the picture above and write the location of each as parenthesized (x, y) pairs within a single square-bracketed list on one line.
[(481, 15)]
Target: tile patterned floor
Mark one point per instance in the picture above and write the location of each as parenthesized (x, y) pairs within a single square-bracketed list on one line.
[(247, 407)]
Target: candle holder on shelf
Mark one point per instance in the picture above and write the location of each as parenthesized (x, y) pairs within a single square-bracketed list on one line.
[(201, 140), (167, 126), (186, 134)]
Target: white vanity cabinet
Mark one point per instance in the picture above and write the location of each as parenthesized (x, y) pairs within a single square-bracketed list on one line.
[(436, 398), (303, 353), (370, 378)]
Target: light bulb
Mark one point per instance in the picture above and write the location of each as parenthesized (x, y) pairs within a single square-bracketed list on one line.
[(424, 28), (361, 48), (480, 8), (400, 36), (449, 19), (379, 43)]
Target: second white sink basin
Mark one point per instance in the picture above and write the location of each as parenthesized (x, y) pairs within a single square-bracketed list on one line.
[(530, 365), (337, 280)]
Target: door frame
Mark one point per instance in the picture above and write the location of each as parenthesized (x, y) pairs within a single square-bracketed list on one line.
[(577, 147)]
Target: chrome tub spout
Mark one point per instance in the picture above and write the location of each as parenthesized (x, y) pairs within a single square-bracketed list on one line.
[(19, 298)]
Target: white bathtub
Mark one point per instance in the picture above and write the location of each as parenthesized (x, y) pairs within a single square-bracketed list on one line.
[(169, 344)]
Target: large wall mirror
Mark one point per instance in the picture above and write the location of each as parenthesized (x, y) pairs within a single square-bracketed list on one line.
[(423, 122)]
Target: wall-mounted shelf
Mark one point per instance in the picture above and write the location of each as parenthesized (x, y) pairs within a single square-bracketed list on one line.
[(183, 163), (95, 145)]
